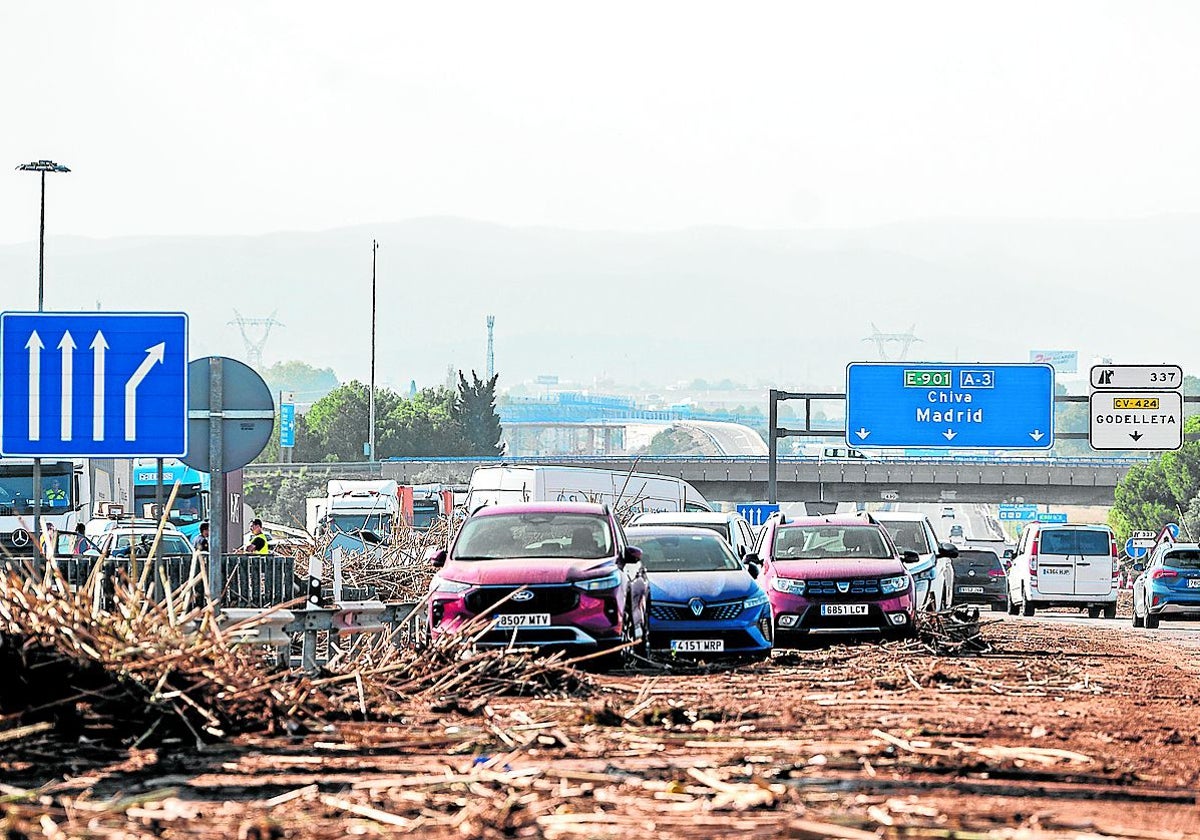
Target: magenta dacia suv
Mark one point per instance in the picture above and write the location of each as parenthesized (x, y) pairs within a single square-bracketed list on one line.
[(836, 574), (553, 574)]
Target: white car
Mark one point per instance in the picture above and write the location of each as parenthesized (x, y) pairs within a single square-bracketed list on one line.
[(732, 526), (934, 574), (139, 539)]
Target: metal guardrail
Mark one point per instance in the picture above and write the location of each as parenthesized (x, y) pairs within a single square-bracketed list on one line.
[(645, 462)]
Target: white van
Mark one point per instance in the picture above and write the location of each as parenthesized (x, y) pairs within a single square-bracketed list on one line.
[(1063, 566), (625, 492)]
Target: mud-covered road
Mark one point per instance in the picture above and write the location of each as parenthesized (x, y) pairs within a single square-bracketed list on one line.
[(1068, 729)]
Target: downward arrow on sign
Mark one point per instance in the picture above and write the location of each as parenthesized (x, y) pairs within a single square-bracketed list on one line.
[(949, 434), (1136, 435)]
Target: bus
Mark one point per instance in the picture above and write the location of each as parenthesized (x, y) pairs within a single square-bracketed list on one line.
[(191, 501)]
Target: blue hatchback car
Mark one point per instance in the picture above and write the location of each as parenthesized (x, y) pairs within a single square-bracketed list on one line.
[(1169, 586), (704, 602)]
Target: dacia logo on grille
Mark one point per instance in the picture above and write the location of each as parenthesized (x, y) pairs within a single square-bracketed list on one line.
[(843, 586), (697, 606), (523, 595)]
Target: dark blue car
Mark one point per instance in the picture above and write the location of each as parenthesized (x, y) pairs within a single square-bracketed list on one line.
[(704, 603)]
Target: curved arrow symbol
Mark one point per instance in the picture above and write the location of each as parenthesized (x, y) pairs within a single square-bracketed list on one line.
[(154, 356)]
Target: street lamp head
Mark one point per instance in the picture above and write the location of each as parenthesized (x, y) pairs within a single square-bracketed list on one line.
[(43, 166)]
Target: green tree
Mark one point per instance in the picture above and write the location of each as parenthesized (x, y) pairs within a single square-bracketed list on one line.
[(474, 412), (339, 422), (1159, 491), (424, 426), (308, 383)]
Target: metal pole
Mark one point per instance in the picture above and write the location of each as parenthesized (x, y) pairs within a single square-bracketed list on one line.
[(371, 409), (158, 503), (42, 246), (217, 496), (772, 446), (37, 462)]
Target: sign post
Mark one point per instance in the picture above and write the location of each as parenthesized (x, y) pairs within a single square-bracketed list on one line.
[(950, 406), (232, 418)]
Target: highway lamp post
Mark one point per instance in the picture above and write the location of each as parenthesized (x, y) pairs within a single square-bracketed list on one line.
[(41, 166), (371, 398)]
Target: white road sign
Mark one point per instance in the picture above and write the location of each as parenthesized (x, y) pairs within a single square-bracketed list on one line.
[(1137, 377), (1135, 420)]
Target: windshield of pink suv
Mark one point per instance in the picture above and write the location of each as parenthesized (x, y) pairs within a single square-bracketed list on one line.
[(578, 536), (804, 542)]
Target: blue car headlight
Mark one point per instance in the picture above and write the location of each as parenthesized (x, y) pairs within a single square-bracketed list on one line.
[(788, 586), (596, 584), (755, 601), (892, 585), (440, 584), (926, 574)]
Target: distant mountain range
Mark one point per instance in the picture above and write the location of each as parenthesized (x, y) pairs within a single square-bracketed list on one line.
[(787, 307)]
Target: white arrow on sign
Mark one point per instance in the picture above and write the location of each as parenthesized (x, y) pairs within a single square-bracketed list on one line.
[(949, 434), (34, 346), (1036, 434), (98, 346), (863, 433), (67, 348), (154, 356)]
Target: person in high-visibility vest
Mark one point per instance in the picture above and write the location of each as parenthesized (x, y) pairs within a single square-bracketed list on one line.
[(55, 495), (259, 543)]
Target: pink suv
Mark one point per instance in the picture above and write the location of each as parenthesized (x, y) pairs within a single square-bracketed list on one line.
[(836, 574), (554, 574)]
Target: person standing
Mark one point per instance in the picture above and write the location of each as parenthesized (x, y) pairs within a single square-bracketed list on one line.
[(259, 543), (201, 543)]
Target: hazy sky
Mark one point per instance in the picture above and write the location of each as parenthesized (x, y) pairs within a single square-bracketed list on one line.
[(235, 117)]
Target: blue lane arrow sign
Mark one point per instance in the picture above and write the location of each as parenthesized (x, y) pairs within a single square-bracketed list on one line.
[(981, 406), (757, 514), (93, 384)]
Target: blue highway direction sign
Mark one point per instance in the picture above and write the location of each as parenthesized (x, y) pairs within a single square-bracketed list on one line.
[(1052, 518), (93, 384), (1018, 513), (757, 514), (981, 406)]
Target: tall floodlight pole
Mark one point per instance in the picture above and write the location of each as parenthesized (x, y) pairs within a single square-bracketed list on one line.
[(371, 402), (42, 166)]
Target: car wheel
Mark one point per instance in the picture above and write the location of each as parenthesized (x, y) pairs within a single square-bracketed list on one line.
[(1093, 612), (1151, 620), (1012, 607), (635, 655), (1138, 621), (1110, 611), (1027, 609), (999, 607)]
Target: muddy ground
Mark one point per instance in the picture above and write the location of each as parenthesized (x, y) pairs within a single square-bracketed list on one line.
[(1063, 731)]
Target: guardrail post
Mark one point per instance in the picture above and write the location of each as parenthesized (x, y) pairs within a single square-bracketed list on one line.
[(312, 600)]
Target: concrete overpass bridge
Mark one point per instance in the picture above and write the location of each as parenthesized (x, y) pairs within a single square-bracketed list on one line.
[(1061, 481)]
